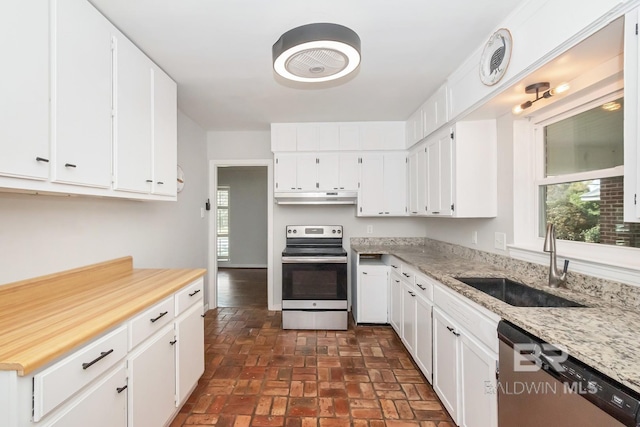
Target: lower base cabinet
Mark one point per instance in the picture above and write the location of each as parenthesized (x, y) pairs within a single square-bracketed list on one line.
[(189, 352), (423, 350), (103, 405), (152, 381), (408, 317), (464, 374), (395, 302)]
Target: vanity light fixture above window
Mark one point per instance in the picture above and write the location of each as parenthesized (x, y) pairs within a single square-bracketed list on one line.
[(316, 53), (542, 90)]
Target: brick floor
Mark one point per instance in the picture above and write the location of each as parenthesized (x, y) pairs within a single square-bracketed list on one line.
[(257, 374)]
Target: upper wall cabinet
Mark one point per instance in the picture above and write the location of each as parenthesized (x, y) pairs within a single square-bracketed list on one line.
[(383, 184), (24, 104), (430, 116), (347, 136), (81, 95), (631, 108), (84, 110)]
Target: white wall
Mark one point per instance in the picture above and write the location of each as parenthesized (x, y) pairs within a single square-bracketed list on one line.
[(239, 145), (458, 231), (46, 234), (248, 210)]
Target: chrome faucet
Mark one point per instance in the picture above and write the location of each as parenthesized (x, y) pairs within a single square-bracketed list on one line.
[(556, 279)]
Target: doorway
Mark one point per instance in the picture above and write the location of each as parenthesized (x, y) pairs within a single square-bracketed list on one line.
[(240, 233)]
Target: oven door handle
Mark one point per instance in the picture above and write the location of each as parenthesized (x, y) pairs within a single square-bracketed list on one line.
[(314, 260)]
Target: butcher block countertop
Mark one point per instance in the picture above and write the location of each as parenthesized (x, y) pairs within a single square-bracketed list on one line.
[(46, 317)]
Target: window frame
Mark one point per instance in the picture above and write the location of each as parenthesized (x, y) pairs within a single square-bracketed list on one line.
[(595, 259), (219, 209)]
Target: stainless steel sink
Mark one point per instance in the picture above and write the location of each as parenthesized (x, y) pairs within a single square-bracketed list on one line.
[(515, 293)]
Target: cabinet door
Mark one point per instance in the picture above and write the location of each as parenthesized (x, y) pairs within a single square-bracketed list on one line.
[(328, 137), (103, 405), (372, 295), (285, 172), (446, 175), (441, 106), (165, 134), (413, 183), (306, 172), (434, 202), (395, 183), (189, 352), (446, 362), (479, 398), (423, 350), (133, 117), (307, 137), (422, 181), (349, 171), (328, 171), (371, 198), (349, 136), (152, 381), (24, 85), (82, 79), (395, 303), (283, 137), (408, 317)]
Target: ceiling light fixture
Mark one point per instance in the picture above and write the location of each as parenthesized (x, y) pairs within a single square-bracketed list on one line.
[(316, 53), (537, 88)]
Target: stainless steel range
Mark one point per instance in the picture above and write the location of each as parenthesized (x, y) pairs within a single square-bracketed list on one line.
[(314, 278)]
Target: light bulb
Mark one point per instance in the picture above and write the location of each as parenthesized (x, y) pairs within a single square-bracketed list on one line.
[(562, 87), (517, 109)]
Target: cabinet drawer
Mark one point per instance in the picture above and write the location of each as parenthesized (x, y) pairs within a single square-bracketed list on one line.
[(408, 274), (424, 286), (151, 320), (476, 323), (189, 296), (63, 379)]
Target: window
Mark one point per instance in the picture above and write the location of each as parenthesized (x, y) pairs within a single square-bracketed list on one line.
[(222, 222), (581, 187)]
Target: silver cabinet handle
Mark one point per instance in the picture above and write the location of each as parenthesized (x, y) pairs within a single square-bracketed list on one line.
[(42, 159), (69, 165)]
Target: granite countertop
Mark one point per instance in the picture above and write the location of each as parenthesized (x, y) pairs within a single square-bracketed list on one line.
[(602, 335)]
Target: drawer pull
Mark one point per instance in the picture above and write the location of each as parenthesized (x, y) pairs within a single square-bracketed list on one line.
[(203, 315), (453, 331), (406, 275), (103, 354), (421, 287), (42, 159), (149, 180), (121, 389), (173, 342), (164, 313), (194, 292), (69, 165), (411, 293), (160, 183), (364, 272), (394, 266)]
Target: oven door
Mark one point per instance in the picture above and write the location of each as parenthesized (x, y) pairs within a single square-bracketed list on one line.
[(314, 278)]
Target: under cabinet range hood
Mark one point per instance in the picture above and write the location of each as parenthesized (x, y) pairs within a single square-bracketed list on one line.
[(316, 198)]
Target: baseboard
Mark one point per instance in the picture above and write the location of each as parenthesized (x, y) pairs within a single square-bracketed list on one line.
[(222, 265)]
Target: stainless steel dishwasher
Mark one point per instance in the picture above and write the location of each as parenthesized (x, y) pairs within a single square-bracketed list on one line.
[(539, 385)]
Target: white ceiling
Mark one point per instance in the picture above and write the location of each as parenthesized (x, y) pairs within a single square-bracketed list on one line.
[(219, 53)]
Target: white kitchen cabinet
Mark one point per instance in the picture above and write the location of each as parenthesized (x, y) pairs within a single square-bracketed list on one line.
[(152, 380), (337, 171), (465, 346), (435, 111), (446, 362), (423, 350), (165, 134), (395, 301), (439, 175), (462, 171), (189, 352), (408, 316), (317, 136), (383, 136), (329, 136), (414, 128), (417, 181), (81, 95), (372, 292), (133, 117), (296, 172), (349, 136), (386, 171), (283, 137), (24, 85), (103, 405), (478, 402)]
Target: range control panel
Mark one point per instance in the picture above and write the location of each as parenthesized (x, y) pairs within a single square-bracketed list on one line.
[(315, 231)]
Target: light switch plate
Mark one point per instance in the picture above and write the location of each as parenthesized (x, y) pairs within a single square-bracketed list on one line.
[(500, 241), (369, 229), (474, 237)]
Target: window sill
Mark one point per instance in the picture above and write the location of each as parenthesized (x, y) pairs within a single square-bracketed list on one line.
[(612, 263)]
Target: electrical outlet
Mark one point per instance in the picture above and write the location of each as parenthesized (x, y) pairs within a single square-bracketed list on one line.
[(500, 241), (201, 212), (474, 237), (369, 229)]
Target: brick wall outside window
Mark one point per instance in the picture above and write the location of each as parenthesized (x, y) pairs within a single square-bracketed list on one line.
[(613, 230)]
